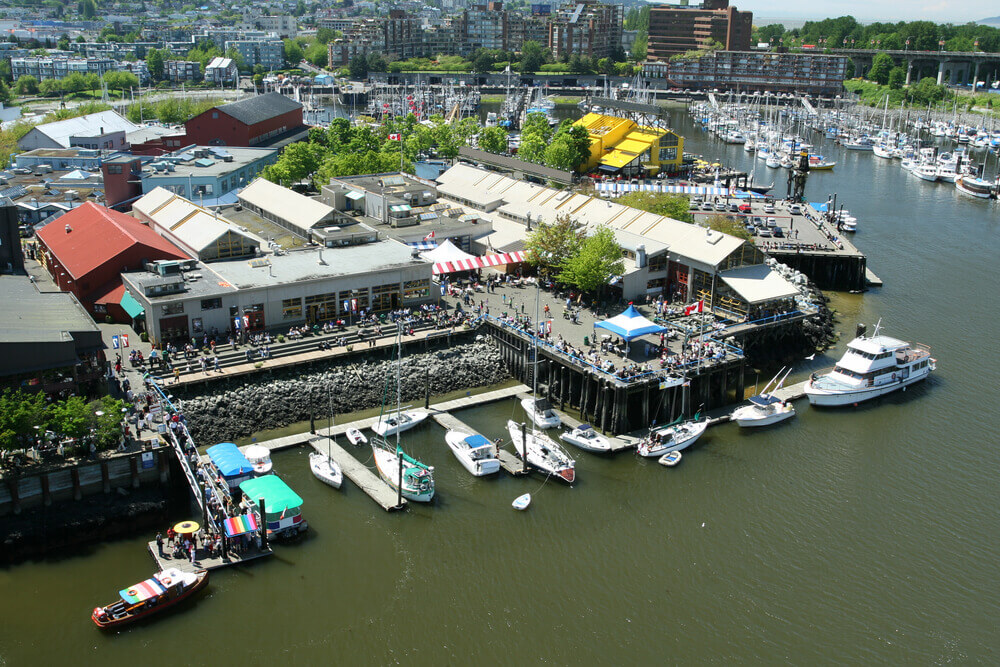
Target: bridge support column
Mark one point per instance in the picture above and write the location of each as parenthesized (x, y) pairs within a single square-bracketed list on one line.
[(940, 76), (975, 75), (909, 71)]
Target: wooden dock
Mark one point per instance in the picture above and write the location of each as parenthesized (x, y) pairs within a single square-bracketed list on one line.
[(360, 474), (509, 462), (872, 279), (203, 561), (618, 443), (791, 392)]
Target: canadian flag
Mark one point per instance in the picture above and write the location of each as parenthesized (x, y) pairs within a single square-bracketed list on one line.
[(395, 137), (696, 307), (429, 236)]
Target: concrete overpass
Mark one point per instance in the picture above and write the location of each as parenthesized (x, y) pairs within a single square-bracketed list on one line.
[(952, 67)]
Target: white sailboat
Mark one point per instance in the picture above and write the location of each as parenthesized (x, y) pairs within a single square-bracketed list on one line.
[(675, 436), (535, 448), (323, 467), (412, 478)]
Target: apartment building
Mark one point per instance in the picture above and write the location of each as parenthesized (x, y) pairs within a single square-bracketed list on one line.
[(804, 73), (677, 29), (586, 28)]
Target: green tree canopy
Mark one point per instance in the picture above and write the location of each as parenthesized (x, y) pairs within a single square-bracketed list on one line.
[(550, 244), (493, 139), (897, 77), (881, 66), (598, 260), (26, 85), (672, 206)]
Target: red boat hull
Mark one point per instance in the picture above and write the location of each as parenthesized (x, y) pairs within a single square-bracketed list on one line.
[(110, 623)]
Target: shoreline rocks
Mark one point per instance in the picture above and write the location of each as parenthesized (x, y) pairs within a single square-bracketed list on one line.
[(227, 410)]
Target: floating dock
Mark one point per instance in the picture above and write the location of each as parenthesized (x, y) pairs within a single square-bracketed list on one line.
[(362, 476), (203, 561), (618, 443), (509, 462)]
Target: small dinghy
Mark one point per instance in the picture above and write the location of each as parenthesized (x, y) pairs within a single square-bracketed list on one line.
[(670, 459), (521, 502), (356, 437)]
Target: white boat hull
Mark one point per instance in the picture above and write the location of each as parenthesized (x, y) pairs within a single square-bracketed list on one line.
[(598, 443), (522, 503), (965, 190), (389, 424), (748, 416), (826, 398), (674, 444), (539, 419), (543, 453), (356, 437), (477, 467), (326, 469), (387, 464)]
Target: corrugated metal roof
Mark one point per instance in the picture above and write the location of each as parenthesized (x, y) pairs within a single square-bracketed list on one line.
[(90, 125), (257, 109), (98, 235), (298, 210)]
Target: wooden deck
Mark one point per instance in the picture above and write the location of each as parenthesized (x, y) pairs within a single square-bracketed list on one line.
[(362, 476), (203, 561), (791, 392)]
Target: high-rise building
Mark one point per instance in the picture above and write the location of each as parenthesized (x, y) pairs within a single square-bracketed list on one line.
[(586, 28), (680, 28), (482, 27)]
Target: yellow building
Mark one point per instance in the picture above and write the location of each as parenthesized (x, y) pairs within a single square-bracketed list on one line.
[(618, 145)]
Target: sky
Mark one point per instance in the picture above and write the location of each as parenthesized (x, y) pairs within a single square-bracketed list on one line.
[(939, 11)]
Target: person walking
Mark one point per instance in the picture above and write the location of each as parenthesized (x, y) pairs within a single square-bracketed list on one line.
[(159, 543)]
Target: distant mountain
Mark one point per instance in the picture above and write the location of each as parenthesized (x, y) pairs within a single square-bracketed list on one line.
[(994, 20)]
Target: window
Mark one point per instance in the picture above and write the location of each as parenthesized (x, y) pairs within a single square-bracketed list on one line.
[(211, 304), (658, 263), (416, 289), (100, 308), (382, 296), (319, 306), (172, 308), (215, 114), (291, 309), (114, 169)]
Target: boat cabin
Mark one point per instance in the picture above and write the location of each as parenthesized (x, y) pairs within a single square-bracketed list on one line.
[(234, 467), (282, 506), (480, 447), (879, 360)]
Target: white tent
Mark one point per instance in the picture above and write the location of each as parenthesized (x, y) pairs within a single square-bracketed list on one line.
[(446, 252)]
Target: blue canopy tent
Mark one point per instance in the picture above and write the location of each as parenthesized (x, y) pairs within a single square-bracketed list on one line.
[(630, 324), (231, 462)]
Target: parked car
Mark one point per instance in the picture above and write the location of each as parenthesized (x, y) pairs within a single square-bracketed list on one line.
[(763, 232), (778, 233), (707, 206), (745, 208), (734, 207), (720, 206), (769, 208), (795, 209), (772, 222)]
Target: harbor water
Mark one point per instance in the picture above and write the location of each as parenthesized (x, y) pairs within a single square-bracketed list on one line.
[(865, 535)]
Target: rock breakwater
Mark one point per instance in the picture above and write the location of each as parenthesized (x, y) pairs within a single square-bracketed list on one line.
[(227, 410)]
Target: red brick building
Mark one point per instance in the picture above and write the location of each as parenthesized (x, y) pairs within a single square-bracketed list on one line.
[(675, 29), (87, 249), (256, 121)]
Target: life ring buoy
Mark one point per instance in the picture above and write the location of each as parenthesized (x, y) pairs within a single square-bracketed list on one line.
[(166, 581), (132, 592)]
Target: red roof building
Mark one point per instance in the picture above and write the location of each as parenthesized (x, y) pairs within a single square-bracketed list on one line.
[(87, 249), (261, 120)]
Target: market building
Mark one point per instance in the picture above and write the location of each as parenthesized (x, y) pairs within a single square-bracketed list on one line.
[(663, 256), (271, 119), (88, 249), (622, 146)]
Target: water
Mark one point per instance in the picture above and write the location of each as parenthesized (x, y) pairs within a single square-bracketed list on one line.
[(862, 535)]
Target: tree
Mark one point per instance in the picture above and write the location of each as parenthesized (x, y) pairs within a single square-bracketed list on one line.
[(532, 147), (50, 87), (639, 47), (672, 206), (326, 35), (881, 66), (559, 155), (359, 67), (897, 77), (849, 71), (71, 417), (493, 139), (121, 80), (317, 54), (26, 85), (550, 244), (293, 52), (87, 8), (297, 162), (5, 95), (155, 61), (726, 225), (74, 83), (532, 56), (598, 260)]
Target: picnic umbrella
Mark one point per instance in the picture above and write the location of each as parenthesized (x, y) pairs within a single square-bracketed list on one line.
[(186, 527)]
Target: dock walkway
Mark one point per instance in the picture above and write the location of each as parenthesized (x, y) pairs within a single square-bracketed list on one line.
[(618, 443), (362, 476), (203, 561), (509, 462)]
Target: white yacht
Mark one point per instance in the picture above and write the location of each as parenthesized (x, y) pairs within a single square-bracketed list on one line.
[(541, 413), (541, 452), (765, 408), (397, 422), (476, 454), (671, 438), (585, 437), (926, 172), (872, 366)]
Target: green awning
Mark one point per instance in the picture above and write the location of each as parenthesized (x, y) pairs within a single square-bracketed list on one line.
[(276, 494), (400, 208), (355, 195), (131, 306)]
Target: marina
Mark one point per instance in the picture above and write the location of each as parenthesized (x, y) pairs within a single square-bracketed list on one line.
[(832, 491)]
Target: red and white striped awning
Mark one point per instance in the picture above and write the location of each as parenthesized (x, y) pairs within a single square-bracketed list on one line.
[(478, 262)]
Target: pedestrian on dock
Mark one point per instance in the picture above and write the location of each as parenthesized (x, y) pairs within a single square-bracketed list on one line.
[(217, 365), (159, 543)]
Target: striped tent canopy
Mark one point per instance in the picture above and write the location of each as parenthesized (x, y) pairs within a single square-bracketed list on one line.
[(614, 188), (498, 259), (423, 245), (144, 590), (237, 525)]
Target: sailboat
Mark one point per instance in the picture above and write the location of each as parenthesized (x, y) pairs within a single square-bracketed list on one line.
[(401, 471), (676, 435), (323, 467), (535, 448)]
